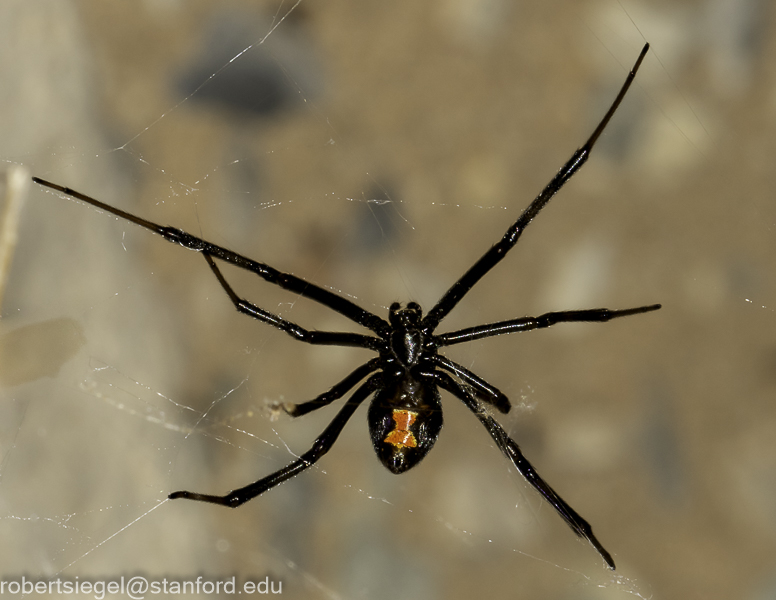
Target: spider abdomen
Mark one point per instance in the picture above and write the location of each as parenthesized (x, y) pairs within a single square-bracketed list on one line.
[(405, 418)]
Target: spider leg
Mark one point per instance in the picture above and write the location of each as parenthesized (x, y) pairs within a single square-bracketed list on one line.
[(321, 446), (493, 256), (485, 391), (284, 280), (335, 393), (336, 338), (512, 451), (546, 320)]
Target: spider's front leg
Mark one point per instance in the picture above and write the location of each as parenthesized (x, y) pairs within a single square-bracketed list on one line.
[(329, 338), (499, 250), (286, 281)]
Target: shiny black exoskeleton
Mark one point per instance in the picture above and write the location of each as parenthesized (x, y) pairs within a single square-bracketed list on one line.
[(405, 415)]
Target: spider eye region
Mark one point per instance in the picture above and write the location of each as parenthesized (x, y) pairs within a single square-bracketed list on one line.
[(405, 418), (407, 317)]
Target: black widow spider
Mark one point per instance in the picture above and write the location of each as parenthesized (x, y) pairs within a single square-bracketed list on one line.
[(405, 414)]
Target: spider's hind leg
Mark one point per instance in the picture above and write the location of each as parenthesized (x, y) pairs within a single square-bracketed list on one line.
[(512, 451), (321, 446)]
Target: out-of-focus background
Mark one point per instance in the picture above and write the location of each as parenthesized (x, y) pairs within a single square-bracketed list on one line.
[(378, 149)]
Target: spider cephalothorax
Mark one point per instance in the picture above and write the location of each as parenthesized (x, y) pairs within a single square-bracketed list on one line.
[(408, 340), (405, 413)]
